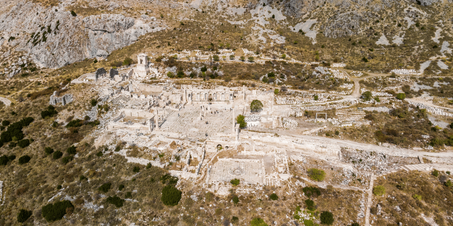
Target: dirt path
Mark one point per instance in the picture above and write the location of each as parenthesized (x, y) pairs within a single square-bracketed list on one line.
[(369, 201)]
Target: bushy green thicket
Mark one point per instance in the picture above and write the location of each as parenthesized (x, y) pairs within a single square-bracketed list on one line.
[(171, 195), (273, 196), (56, 211), (23, 215), (115, 200), (311, 191), (327, 218), (24, 159), (23, 143), (50, 112), (14, 131)]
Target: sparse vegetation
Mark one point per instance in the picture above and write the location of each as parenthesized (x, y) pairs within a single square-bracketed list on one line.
[(316, 174)]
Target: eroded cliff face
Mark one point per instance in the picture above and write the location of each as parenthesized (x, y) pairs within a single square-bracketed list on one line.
[(54, 38)]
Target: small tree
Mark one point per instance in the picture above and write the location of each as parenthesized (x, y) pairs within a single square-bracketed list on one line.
[(379, 190), (94, 102), (57, 155), (256, 105), (315, 97), (48, 150), (316, 174), (136, 169), (242, 58), (251, 59), (283, 56), (73, 13), (23, 215), (276, 91), (310, 204), (367, 95), (327, 218), (232, 57), (401, 96), (241, 121), (24, 159), (23, 143), (171, 195), (56, 211), (449, 184), (216, 57)]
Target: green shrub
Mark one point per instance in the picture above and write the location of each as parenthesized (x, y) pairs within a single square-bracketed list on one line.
[(57, 155), (74, 123), (171, 195), (316, 174), (73, 13), (367, 95), (48, 150), (379, 190), (121, 187), (315, 97), (258, 222), (355, 224), (56, 211), (136, 169), (310, 204), (311, 191), (50, 112), (449, 183), (115, 200), (216, 58), (364, 59), (170, 74), (401, 96), (256, 105), (71, 150), (24, 159), (235, 182), (234, 220), (23, 143), (5, 123), (327, 218), (273, 196), (105, 187), (127, 61), (93, 102), (23, 215), (276, 91), (435, 173), (99, 154), (11, 157), (67, 159), (4, 160), (308, 223), (235, 199), (240, 119)]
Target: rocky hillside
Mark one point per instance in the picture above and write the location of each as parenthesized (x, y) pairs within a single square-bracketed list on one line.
[(56, 33)]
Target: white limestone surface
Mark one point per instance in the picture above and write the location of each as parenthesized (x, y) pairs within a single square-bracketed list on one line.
[(306, 28), (383, 41)]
